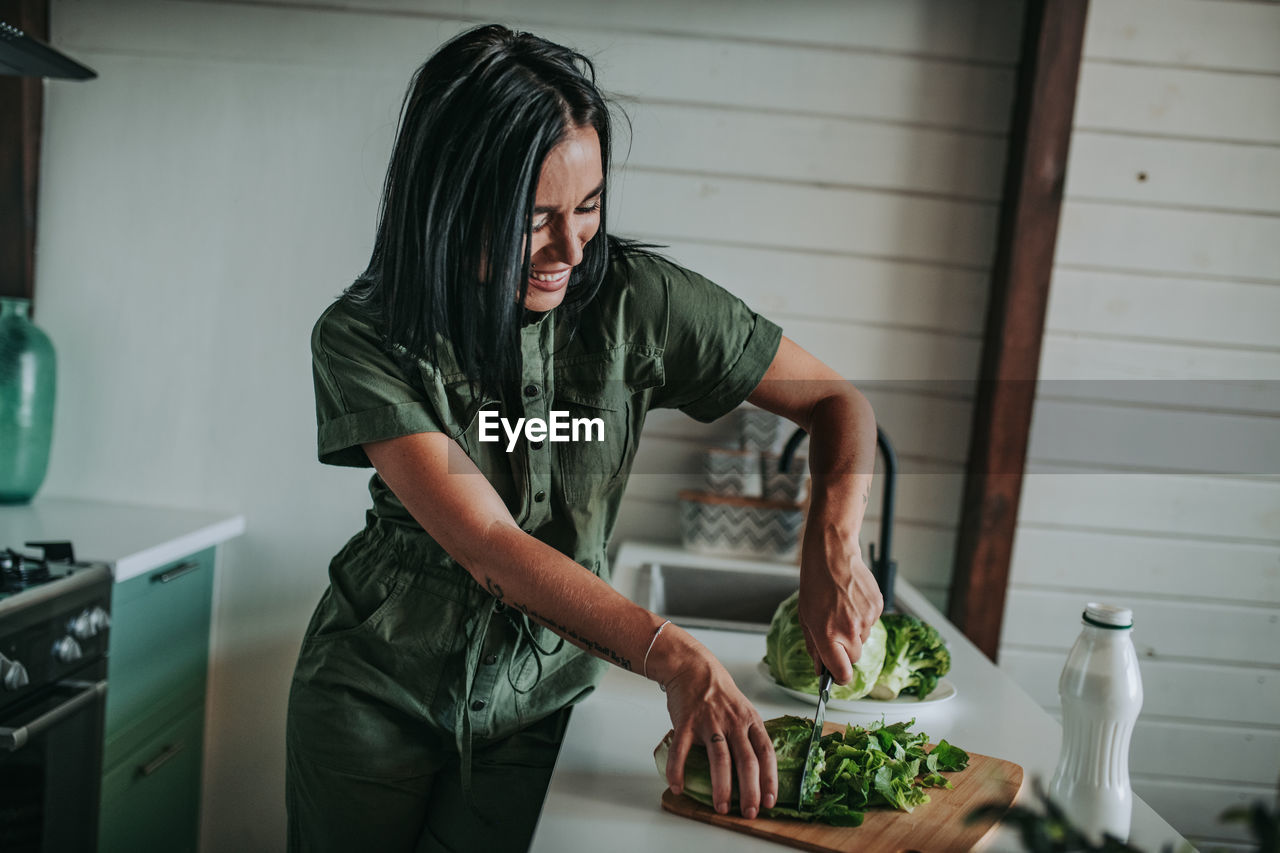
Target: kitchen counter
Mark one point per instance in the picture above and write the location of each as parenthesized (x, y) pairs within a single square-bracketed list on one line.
[(163, 561), (606, 791), (132, 539)]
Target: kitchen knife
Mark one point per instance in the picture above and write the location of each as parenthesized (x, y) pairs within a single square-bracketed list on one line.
[(809, 787)]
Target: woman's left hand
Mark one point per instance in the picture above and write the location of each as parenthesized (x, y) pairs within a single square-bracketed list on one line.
[(839, 598)]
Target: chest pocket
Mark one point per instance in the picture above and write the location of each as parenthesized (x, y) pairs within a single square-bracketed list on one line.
[(457, 407), (604, 394), (455, 404)]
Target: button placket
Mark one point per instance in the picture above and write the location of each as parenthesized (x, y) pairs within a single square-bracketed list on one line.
[(480, 703), (537, 394)]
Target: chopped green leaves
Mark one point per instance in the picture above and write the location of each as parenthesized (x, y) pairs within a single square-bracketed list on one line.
[(856, 769), (950, 757)]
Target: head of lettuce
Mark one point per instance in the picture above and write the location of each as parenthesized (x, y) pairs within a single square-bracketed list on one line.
[(791, 666), (902, 656)]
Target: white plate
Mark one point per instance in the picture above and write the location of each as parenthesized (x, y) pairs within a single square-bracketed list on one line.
[(944, 691)]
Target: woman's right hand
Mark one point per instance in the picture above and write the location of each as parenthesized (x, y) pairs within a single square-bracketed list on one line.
[(706, 707)]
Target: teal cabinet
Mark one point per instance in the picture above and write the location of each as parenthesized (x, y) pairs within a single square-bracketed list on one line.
[(151, 798), (153, 751)]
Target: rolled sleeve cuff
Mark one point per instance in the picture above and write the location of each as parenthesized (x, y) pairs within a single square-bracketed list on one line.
[(757, 355), (340, 440)]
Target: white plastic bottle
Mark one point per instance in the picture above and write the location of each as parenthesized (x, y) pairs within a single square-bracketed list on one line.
[(1101, 691)]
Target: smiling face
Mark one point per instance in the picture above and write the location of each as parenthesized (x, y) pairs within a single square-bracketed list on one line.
[(566, 215)]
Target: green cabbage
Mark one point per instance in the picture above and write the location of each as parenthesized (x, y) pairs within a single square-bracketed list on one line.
[(915, 658), (857, 769), (903, 656), (790, 665)]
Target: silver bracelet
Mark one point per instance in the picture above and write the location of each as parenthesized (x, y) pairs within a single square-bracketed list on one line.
[(656, 634)]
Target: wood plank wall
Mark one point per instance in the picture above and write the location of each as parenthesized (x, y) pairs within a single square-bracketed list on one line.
[(1155, 460), (840, 169)]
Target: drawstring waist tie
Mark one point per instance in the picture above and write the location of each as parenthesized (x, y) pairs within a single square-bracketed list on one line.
[(525, 636), (413, 548)]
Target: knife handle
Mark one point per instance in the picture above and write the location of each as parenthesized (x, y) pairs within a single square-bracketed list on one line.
[(825, 681)]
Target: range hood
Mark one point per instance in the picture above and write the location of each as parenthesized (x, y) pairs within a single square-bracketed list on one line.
[(22, 55)]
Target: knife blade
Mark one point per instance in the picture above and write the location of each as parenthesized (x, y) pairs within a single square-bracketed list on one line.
[(809, 787)]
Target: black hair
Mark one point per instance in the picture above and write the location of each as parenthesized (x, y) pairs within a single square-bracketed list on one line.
[(450, 261)]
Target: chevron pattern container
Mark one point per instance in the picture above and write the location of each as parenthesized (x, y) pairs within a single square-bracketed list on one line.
[(732, 472), (740, 527), (757, 429), (779, 485)]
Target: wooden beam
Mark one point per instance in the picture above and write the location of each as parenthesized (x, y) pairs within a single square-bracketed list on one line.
[(1040, 134), (22, 105)]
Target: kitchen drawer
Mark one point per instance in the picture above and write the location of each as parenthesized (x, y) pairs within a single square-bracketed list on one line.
[(151, 800), (121, 743), (159, 647)]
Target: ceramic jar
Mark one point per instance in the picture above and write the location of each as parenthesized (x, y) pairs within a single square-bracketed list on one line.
[(27, 388)]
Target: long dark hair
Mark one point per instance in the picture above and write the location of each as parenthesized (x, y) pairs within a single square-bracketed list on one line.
[(450, 262)]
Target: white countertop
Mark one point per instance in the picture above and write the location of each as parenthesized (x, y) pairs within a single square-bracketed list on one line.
[(132, 539), (606, 791)]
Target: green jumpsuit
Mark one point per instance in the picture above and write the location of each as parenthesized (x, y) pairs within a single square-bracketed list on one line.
[(423, 714)]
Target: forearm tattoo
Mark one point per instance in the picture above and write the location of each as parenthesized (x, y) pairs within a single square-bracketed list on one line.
[(563, 630)]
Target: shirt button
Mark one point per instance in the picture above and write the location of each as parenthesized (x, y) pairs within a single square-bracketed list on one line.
[(531, 390), (529, 530), (477, 705), (489, 660), (536, 445), (539, 497)]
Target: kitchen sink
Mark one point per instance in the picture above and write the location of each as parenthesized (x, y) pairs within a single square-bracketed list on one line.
[(703, 597)]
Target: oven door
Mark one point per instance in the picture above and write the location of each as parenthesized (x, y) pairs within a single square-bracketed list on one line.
[(51, 767)]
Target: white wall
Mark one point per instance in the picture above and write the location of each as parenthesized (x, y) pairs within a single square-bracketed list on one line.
[(1155, 440), (838, 165)]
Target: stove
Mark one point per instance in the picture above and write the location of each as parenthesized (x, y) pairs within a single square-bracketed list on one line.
[(20, 572), (54, 627)]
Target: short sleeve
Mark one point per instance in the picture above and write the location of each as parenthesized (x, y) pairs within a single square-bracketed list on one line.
[(363, 394), (717, 349)]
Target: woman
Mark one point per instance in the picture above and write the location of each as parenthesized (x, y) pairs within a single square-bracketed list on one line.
[(433, 685)]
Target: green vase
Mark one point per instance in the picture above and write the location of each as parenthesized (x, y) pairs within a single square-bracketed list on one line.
[(27, 388)]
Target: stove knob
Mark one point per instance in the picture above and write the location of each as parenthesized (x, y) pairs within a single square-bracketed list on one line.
[(67, 650), (12, 674), (82, 626), (90, 623)]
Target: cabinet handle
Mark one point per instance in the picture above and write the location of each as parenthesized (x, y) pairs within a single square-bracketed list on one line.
[(160, 760), (176, 572)]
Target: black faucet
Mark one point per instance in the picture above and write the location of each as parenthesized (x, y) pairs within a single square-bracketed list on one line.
[(883, 568)]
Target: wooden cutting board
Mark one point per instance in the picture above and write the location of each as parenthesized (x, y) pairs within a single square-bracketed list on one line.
[(936, 827)]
